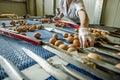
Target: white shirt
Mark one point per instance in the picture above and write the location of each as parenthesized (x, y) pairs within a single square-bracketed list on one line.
[(72, 13)]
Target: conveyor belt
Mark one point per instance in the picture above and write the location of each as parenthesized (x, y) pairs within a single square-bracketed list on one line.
[(11, 49)]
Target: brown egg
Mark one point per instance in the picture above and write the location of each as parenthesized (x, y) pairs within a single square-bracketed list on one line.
[(3, 24), (90, 29), (65, 35), (76, 42), (34, 25), (117, 65), (19, 30), (72, 45), (31, 29), (37, 35), (12, 22), (39, 27), (63, 46), (70, 39), (55, 36), (77, 30), (52, 41), (94, 56), (96, 34), (71, 49), (58, 42), (24, 29), (104, 33), (76, 37)]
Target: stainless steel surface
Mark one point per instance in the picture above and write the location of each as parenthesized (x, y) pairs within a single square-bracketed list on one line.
[(59, 62), (113, 39), (106, 65), (11, 70), (57, 73), (75, 73), (69, 59)]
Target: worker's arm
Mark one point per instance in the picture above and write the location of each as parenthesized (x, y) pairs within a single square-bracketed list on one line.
[(84, 20), (85, 37)]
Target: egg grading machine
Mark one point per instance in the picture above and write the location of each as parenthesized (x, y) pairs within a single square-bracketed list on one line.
[(76, 63)]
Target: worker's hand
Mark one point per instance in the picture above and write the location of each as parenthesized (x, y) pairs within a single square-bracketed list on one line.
[(86, 38), (56, 18)]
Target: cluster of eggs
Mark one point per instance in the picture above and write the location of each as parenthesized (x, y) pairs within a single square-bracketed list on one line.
[(95, 32), (31, 28), (60, 44), (26, 28), (46, 20), (14, 23), (19, 22), (60, 24), (98, 32)]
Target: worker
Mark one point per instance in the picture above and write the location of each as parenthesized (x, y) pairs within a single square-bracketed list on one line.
[(75, 10)]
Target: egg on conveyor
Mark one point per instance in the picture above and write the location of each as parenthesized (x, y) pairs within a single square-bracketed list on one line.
[(55, 36), (58, 42), (37, 35), (70, 39), (76, 42), (52, 41), (94, 56), (117, 65), (65, 35), (63, 46), (71, 49)]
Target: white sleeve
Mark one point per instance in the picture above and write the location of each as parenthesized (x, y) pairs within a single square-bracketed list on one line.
[(79, 5), (61, 4)]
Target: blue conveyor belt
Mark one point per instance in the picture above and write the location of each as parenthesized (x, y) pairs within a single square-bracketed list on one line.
[(12, 49)]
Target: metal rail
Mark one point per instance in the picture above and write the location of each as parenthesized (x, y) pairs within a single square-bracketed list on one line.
[(11, 70)]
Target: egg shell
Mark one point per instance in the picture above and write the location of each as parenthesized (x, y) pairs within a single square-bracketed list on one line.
[(94, 56), (52, 41), (37, 35), (55, 36), (70, 39), (63, 46), (65, 35), (58, 42)]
